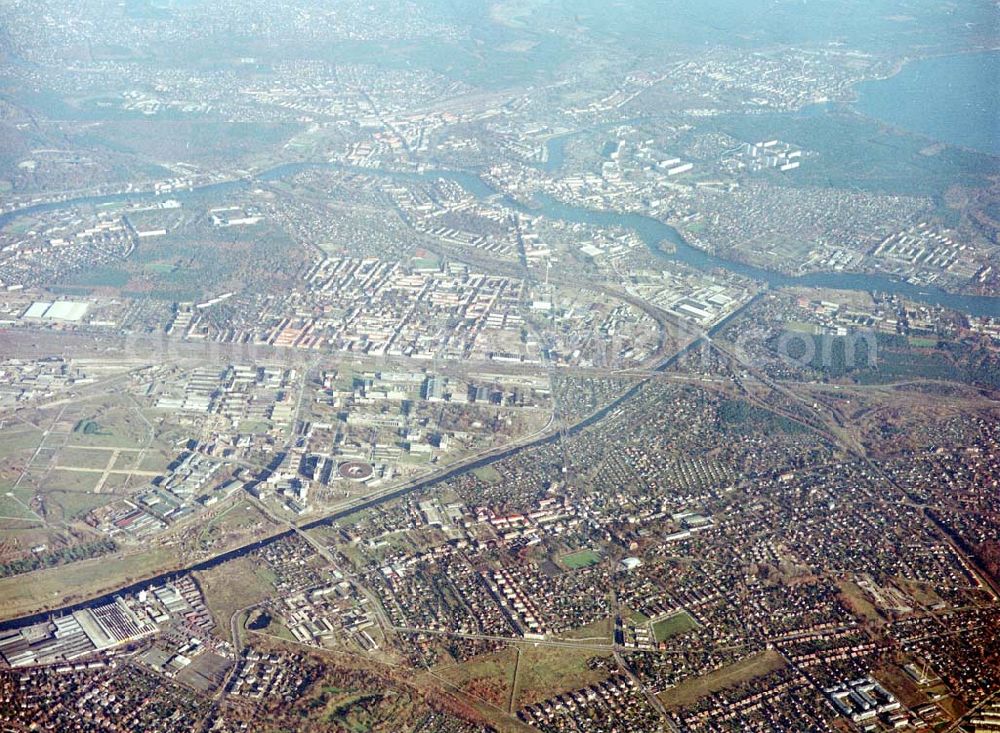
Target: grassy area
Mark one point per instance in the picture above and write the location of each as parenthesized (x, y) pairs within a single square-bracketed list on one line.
[(22, 225), (117, 483), (415, 459), (78, 481), (17, 537), (424, 262), (922, 593), (254, 426), (154, 461), (354, 518), (75, 504), (547, 671), (77, 581), (602, 629), (892, 676), (127, 461), (19, 442), (108, 427), (13, 505), (90, 427), (103, 439), (238, 515), (238, 522), (235, 585), (277, 629), (636, 617), (83, 458), (858, 601), (487, 474), (801, 327), (732, 675), (488, 677), (678, 623), (101, 277), (580, 559)]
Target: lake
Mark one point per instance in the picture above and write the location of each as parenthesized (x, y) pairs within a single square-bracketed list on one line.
[(951, 99)]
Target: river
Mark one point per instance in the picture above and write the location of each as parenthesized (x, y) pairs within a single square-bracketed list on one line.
[(652, 232), (352, 508)]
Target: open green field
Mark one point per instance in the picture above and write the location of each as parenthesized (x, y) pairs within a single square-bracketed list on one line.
[(45, 589), (415, 459), (234, 585), (100, 277), (254, 426), (16, 538), (239, 515), (580, 559), (93, 433), (13, 505), (858, 601), (127, 460), (118, 483), (237, 523), (18, 442), (678, 623), (602, 629), (487, 677), (636, 617), (83, 457), (277, 629), (922, 593), (21, 225), (732, 675), (154, 461), (547, 671), (159, 268), (75, 505), (801, 327), (58, 479), (487, 474)]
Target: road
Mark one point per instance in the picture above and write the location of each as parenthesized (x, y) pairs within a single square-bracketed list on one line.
[(559, 643), (650, 696), (550, 431)]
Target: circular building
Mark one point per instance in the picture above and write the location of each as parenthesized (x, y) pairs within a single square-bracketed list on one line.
[(355, 470)]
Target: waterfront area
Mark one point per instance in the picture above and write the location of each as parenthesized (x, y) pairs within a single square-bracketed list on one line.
[(498, 367), (943, 98)]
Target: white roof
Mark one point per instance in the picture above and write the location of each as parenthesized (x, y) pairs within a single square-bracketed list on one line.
[(37, 309), (66, 310)]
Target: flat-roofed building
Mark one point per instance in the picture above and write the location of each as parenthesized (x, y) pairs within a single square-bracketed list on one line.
[(70, 311)]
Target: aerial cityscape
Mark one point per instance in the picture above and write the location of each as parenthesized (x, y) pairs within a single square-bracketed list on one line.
[(425, 366)]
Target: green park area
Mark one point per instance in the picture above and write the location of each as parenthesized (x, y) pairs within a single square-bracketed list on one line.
[(580, 559), (673, 625), (729, 676)]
